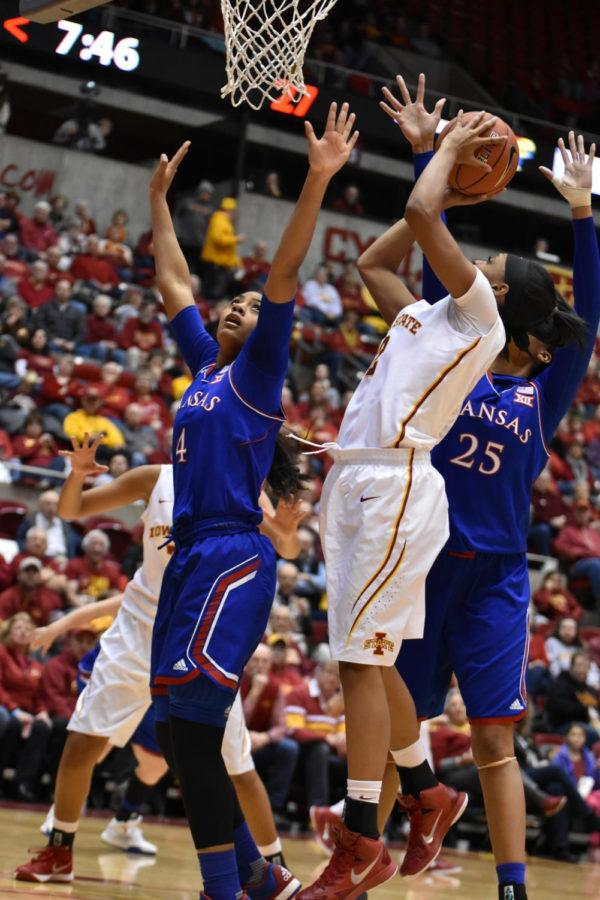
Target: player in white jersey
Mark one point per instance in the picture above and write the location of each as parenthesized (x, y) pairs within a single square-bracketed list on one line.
[(114, 702), (384, 518)]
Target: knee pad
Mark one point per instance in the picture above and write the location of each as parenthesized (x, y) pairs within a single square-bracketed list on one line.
[(201, 700)]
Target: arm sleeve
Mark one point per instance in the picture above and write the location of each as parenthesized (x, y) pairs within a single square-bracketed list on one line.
[(261, 367), (433, 289), (477, 310), (195, 344), (559, 382)]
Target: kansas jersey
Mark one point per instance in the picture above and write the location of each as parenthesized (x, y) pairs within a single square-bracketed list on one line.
[(427, 363), (225, 429), (498, 445)]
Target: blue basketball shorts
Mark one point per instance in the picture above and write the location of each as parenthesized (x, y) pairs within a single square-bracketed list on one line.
[(476, 627), (213, 609), (145, 734)]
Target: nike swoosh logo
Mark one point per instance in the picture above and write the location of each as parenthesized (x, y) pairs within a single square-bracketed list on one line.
[(428, 838), (56, 869), (364, 499), (163, 501), (358, 879)]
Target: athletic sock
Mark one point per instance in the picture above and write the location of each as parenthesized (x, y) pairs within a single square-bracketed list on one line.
[(338, 808), (273, 853), (63, 834), (220, 875), (360, 810), (136, 796), (511, 873), (250, 862), (415, 772)]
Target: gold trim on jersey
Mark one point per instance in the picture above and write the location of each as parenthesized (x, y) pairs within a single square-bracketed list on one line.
[(376, 593), (399, 517), (431, 389)]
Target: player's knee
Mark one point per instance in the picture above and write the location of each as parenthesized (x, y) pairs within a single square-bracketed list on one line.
[(150, 768), (492, 742), (83, 749)]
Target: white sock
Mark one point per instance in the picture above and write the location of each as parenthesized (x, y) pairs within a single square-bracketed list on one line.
[(337, 808), (270, 849), (67, 827), (367, 791), (410, 757)]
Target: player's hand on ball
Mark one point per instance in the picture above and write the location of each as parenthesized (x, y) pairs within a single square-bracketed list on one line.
[(167, 169), (466, 138), (83, 456), (328, 154), (575, 185), (416, 124)]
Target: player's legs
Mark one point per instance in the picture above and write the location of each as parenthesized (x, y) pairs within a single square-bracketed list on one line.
[(488, 636), (73, 779)]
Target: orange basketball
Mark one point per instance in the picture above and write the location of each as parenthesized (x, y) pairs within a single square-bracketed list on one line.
[(503, 158)]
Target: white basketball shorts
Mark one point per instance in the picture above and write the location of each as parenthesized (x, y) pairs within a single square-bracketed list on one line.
[(115, 699), (384, 519)]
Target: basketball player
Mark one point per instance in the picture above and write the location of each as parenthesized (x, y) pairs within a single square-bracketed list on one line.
[(384, 501), (478, 589), (114, 706), (218, 588)]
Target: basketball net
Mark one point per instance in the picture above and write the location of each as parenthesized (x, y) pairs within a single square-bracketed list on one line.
[(265, 43)]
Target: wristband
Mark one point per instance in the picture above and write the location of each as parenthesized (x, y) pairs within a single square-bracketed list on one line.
[(576, 197)]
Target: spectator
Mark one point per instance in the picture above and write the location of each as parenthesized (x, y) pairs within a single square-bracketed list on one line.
[(579, 546), (274, 754), (572, 699), (14, 264), (349, 202), (577, 761), (59, 389), (349, 287), (550, 513), (52, 574), (58, 211), (256, 267), (8, 285), (8, 217), (29, 594), (35, 354), (61, 319), (38, 233), (554, 600), (310, 582), (84, 134), (60, 675), (93, 269), (35, 289), (191, 221), (117, 230), (9, 353), (87, 420), (118, 464), (561, 646), (22, 707), (142, 333), (163, 455), (93, 574), (323, 303), (154, 410), (272, 185), (141, 439), (101, 339), (37, 447), (85, 223), (62, 539), (57, 267), (115, 396), (315, 720), (219, 252)]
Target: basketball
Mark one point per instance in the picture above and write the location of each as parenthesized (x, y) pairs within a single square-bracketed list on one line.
[(503, 158)]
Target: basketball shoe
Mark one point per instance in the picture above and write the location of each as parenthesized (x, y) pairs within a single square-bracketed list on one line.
[(357, 865), (128, 836), (431, 817), (322, 819), (47, 864), (276, 882)]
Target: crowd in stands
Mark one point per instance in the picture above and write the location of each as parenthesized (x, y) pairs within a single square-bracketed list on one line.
[(85, 348), (505, 48)]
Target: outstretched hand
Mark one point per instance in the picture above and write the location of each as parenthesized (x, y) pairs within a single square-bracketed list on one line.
[(83, 456), (328, 154), (167, 169), (575, 185), (417, 125)]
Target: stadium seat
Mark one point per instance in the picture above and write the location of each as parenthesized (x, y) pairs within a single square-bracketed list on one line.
[(11, 516)]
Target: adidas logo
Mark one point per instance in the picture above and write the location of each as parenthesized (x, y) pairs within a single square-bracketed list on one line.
[(516, 705), (180, 666)]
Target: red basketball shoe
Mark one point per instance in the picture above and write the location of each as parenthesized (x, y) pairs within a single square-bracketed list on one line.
[(358, 864), (322, 820), (276, 884), (48, 864), (431, 817)]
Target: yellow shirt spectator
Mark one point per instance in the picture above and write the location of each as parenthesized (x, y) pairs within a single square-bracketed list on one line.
[(87, 420), (221, 241)]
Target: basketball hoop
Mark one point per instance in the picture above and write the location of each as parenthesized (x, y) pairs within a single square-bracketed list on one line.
[(265, 43)]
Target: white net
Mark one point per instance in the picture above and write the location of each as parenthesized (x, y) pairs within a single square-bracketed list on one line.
[(265, 42)]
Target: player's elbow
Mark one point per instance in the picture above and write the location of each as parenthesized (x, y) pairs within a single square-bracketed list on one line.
[(419, 211)]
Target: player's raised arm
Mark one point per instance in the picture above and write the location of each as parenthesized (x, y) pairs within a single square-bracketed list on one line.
[(75, 503), (426, 203), (326, 156), (44, 637)]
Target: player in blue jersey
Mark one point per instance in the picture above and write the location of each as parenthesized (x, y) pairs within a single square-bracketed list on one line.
[(219, 586), (478, 589)]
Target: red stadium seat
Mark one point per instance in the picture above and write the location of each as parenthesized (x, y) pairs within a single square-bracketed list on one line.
[(11, 517)]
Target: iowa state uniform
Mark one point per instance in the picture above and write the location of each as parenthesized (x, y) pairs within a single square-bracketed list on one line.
[(218, 588), (477, 592), (383, 508)]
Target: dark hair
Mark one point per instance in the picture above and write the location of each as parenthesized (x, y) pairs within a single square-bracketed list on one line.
[(556, 634), (563, 327), (285, 478), (579, 654)]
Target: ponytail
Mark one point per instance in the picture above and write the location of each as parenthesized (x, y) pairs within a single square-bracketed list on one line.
[(285, 478)]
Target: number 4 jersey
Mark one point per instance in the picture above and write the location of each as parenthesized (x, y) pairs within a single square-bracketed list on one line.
[(430, 359)]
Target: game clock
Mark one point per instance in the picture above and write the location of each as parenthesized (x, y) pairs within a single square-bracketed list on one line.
[(106, 48)]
